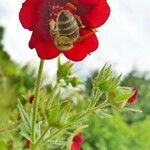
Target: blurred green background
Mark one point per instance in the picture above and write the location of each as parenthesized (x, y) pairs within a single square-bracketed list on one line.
[(124, 131)]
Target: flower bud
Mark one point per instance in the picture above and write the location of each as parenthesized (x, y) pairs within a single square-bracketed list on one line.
[(120, 96), (75, 81), (77, 142), (133, 98), (31, 98), (27, 143)]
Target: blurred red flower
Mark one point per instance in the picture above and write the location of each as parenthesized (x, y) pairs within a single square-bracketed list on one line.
[(77, 142), (40, 16), (31, 98), (133, 98), (27, 143)]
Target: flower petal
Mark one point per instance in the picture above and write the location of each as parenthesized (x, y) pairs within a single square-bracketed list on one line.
[(81, 49), (28, 14), (133, 98), (75, 146), (77, 142), (85, 2), (44, 45), (93, 13)]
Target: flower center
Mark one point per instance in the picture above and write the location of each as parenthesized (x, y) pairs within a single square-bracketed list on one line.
[(65, 26), (55, 8)]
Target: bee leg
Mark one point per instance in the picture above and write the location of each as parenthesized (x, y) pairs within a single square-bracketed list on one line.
[(52, 25), (79, 21), (82, 38)]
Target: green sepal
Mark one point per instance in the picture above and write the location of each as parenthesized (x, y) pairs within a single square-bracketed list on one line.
[(118, 98), (120, 94), (106, 80)]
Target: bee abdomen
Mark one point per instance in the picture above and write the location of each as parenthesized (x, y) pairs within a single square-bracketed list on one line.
[(67, 25)]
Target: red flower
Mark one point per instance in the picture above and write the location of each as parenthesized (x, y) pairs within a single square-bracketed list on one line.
[(27, 143), (77, 142), (31, 98), (42, 17), (133, 98)]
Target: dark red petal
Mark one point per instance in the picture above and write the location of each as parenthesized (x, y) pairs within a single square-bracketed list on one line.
[(93, 13), (44, 45), (133, 98), (28, 14), (81, 49)]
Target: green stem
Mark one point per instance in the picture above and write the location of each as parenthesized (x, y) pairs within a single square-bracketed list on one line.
[(102, 105), (42, 136), (52, 95), (35, 105), (48, 138)]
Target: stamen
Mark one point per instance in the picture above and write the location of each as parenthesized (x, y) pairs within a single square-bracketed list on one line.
[(70, 5), (54, 10)]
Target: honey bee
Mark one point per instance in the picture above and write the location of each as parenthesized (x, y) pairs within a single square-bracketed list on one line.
[(65, 30)]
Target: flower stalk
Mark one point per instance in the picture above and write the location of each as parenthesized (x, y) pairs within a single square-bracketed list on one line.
[(36, 101)]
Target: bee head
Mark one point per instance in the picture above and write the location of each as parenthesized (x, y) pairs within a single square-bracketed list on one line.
[(63, 43)]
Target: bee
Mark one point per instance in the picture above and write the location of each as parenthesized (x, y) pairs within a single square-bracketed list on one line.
[(65, 30)]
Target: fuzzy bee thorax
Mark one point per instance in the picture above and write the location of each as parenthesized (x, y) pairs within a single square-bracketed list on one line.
[(65, 30)]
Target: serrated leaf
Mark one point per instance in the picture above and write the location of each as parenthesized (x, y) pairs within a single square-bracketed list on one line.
[(65, 112), (38, 128), (74, 118), (24, 116), (54, 114), (24, 132), (23, 100)]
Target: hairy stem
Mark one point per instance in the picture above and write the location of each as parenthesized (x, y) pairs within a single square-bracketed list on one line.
[(35, 105), (43, 134)]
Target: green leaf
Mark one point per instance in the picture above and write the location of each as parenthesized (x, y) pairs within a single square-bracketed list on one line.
[(64, 70), (25, 132), (24, 116), (23, 100), (73, 118), (64, 113), (38, 128), (53, 114)]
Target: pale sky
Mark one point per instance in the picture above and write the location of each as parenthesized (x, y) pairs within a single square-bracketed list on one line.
[(124, 39)]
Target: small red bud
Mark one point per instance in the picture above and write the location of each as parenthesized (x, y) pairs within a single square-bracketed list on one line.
[(27, 143), (31, 98), (133, 98), (77, 142)]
